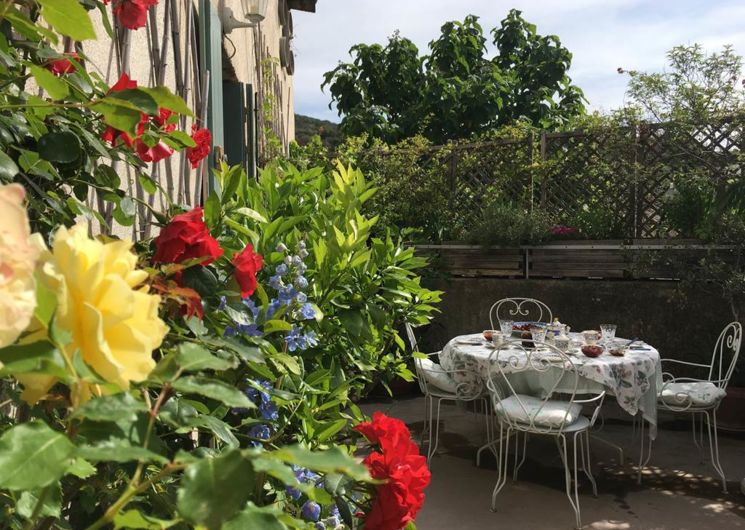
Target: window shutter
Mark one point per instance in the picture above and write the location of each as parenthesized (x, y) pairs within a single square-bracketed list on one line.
[(210, 52)]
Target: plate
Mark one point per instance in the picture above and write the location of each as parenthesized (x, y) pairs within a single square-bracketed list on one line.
[(470, 342)]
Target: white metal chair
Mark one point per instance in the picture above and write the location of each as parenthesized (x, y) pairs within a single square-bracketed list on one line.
[(701, 397), (438, 385), (519, 309), (555, 414)]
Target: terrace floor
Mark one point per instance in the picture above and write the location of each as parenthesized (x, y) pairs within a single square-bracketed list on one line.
[(679, 490)]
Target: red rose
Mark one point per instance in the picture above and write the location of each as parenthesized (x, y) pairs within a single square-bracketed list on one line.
[(404, 469), (203, 139), (111, 135), (152, 154), (186, 237), (124, 83), (247, 263), (132, 14), (62, 66)]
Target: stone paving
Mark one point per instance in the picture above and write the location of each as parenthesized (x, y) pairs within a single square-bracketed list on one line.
[(679, 490)]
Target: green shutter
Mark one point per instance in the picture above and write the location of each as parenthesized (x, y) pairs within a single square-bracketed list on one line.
[(233, 94), (210, 52)]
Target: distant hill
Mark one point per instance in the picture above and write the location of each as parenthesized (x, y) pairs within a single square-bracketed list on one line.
[(307, 127)]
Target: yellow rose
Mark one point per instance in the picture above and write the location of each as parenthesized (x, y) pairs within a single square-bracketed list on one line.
[(18, 257), (114, 323)]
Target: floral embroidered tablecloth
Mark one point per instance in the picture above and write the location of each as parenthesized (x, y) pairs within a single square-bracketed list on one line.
[(633, 379)]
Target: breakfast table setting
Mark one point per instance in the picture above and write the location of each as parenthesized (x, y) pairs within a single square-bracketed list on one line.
[(629, 370)]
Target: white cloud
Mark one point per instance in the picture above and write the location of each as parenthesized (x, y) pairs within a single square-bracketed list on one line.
[(601, 35)]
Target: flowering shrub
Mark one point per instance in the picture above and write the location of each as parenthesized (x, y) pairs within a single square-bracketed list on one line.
[(201, 379)]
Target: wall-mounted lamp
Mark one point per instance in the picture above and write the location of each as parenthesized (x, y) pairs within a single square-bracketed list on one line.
[(255, 10)]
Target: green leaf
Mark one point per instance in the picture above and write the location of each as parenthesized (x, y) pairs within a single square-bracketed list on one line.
[(201, 279), (139, 98), (122, 406), (215, 489), (37, 357), (213, 389), (33, 456), (118, 450), (28, 29), (135, 519), (272, 326), (54, 86), (168, 100), (61, 147), (120, 114), (8, 168), (331, 429), (251, 214), (333, 460), (193, 358), (51, 505), (46, 303), (69, 18), (181, 139), (266, 518), (148, 184), (218, 427), (81, 468), (212, 210)]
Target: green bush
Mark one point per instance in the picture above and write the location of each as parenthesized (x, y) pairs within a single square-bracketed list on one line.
[(508, 225)]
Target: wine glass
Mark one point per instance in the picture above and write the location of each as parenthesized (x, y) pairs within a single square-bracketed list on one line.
[(539, 334), (608, 333), (505, 326)]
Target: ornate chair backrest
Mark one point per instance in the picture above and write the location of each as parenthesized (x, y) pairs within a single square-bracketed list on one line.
[(554, 367), (417, 362), (725, 355), (517, 309)]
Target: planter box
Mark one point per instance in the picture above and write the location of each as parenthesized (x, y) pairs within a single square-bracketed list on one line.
[(585, 259)]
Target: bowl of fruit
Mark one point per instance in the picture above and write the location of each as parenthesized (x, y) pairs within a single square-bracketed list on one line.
[(518, 328), (591, 350)]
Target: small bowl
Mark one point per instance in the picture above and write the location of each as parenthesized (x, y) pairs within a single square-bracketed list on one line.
[(591, 350), (489, 334), (618, 351)]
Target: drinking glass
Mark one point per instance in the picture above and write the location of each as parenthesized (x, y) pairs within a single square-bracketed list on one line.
[(505, 327), (539, 334), (608, 333)]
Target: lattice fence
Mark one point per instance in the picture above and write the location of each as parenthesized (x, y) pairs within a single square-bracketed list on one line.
[(615, 180)]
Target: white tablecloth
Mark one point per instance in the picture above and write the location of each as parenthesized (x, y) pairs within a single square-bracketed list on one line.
[(633, 379)]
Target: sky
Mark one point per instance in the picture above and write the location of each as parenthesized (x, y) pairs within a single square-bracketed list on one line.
[(602, 35)]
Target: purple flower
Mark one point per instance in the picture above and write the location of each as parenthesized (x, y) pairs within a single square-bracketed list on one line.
[(311, 511), (297, 261), (259, 396), (272, 308), (251, 330), (307, 311), (293, 493), (287, 295), (311, 339), (275, 282), (301, 298), (229, 331), (281, 269), (223, 303), (301, 282), (251, 305), (260, 432), (269, 411)]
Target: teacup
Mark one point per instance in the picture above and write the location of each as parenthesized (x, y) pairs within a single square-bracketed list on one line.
[(591, 337), (489, 333), (497, 339)]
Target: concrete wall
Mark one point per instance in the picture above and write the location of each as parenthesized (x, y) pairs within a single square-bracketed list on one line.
[(647, 309)]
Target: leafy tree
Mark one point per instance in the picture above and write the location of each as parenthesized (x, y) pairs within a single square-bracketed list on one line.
[(696, 89), (391, 92)]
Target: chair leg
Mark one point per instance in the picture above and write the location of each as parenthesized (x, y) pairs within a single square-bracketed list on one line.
[(714, 447), (562, 442), (504, 448), (433, 448), (427, 420), (518, 465), (586, 466)]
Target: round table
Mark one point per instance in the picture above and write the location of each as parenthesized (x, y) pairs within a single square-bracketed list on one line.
[(633, 379)]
